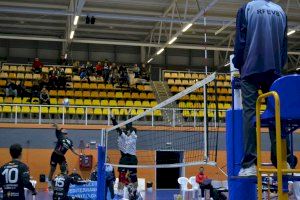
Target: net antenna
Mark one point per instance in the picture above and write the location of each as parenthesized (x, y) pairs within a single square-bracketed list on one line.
[(181, 135)]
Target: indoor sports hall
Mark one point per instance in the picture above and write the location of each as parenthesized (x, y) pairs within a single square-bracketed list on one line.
[(149, 99)]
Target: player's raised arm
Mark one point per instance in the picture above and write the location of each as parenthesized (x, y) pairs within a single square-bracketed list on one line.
[(114, 121)]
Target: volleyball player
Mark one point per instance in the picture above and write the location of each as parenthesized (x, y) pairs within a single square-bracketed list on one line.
[(62, 146), (14, 176)]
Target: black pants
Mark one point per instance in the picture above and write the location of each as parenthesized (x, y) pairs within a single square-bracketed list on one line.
[(250, 86), (208, 187), (110, 186)]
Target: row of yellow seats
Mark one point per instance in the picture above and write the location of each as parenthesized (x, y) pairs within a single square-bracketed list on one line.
[(29, 76), (194, 97), (200, 113), (101, 94), (27, 84), (102, 86), (45, 69), (74, 111), (182, 75), (200, 90), (189, 104), (192, 82)]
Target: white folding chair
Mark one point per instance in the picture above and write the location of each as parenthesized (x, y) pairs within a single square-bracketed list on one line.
[(195, 187), (183, 182)]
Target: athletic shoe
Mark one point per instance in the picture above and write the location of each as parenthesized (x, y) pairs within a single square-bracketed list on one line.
[(211, 198), (250, 171)]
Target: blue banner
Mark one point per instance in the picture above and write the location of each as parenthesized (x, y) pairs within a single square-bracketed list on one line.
[(86, 191)]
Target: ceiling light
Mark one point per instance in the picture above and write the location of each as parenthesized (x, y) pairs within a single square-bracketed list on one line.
[(173, 40), (150, 60), (187, 27), (72, 34), (291, 32), (160, 51), (76, 20)]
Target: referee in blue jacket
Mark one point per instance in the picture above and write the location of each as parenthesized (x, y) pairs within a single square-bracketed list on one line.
[(260, 55)]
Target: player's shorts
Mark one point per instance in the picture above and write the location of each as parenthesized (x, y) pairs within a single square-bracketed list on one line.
[(122, 177), (57, 159), (131, 160)]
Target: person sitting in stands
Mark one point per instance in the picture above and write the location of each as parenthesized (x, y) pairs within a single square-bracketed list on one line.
[(136, 71), (106, 71), (37, 66), (76, 68), (44, 97), (43, 81), (145, 72), (22, 91), (61, 79), (11, 89), (204, 183), (99, 69), (52, 82)]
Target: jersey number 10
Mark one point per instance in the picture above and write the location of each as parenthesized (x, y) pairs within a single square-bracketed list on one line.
[(11, 175)]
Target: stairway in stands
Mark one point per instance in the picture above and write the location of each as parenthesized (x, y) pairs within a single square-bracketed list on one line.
[(162, 92)]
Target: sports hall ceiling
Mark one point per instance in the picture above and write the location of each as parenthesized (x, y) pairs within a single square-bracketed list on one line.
[(130, 21)]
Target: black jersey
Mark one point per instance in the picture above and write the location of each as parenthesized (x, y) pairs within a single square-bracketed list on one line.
[(14, 177), (61, 187), (63, 144)]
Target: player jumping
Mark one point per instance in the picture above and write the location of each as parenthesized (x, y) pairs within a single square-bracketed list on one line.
[(14, 176), (62, 146)]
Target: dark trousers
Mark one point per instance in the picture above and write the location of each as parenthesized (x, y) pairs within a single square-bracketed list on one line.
[(250, 86), (208, 187), (110, 186)]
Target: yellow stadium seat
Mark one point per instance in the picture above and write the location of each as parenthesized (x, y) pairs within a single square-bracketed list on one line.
[(185, 82), (71, 111), (53, 93), (178, 82), (103, 94), (201, 76), (61, 93), (25, 100), (35, 100), (77, 85), (101, 86), (137, 104), (13, 68), (20, 76), (93, 79), (121, 103), (146, 104), (115, 111), (5, 68), (85, 86), (221, 77), (135, 95), (157, 113), (147, 88), (180, 75), (195, 76), (221, 106), (119, 95), (45, 70), (198, 105), (227, 106), (150, 96), (104, 102), (70, 93), (28, 84), (62, 110), (153, 103), (123, 111), (174, 75), (193, 97), (192, 82), (109, 86), (181, 104), (79, 102), (181, 88), (127, 95), (93, 86), (143, 95), (200, 113), (105, 111), (53, 101), (90, 111), (227, 77), (174, 89), (113, 103), (211, 114), (76, 78), (12, 75), (212, 106), (1, 100), (68, 70), (6, 109), (28, 76), (35, 109), (171, 82), (71, 102), (87, 102), (228, 98), (18, 108), (17, 100), (44, 110), (188, 75), (86, 94), (78, 94), (25, 109), (2, 83), (36, 76), (185, 98), (140, 111), (8, 100), (189, 104), (97, 111), (96, 102), (167, 75), (80, 111), (132, 112), (141, 87), (111, 94), (129, 103), (94, 94), (220, 84), (3, 75), (227, 84), (53, 110)]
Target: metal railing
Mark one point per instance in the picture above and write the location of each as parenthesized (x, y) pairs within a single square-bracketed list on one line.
[(15, 113)]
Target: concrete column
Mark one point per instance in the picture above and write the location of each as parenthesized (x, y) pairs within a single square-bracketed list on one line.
[(143, 54)]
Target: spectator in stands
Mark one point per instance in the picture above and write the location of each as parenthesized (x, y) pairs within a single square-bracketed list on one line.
[(204, 183), (106, 71), (84, 75), (52, 82), (136, 71), (61, 79), (99, 69), (124, 78), (145, 72), (21, 89), (89, 68), (43, 81), (35, 90), (76, 67), (11, 89), (44, 97), (37, 66), (62, 61), (114, 76)]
